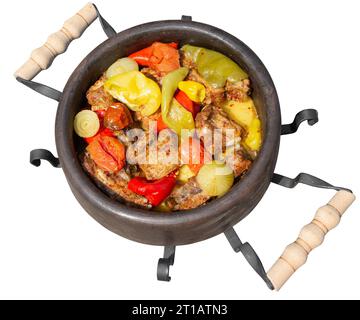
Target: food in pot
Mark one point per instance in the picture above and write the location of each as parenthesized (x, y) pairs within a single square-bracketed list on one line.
[(169, 129)]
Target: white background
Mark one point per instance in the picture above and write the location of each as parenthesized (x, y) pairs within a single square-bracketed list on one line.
[(50, 248)]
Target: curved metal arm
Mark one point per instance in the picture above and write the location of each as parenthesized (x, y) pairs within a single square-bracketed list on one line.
[(42, 154), (309, 115)]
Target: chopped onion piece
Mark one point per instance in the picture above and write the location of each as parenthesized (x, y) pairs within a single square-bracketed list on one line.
[(215, 178), (120, 66)]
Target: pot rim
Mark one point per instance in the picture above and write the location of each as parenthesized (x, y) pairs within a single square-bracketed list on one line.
[(78, 179)]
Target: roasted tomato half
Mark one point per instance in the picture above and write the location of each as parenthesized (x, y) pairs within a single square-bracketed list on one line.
[(108, 153)]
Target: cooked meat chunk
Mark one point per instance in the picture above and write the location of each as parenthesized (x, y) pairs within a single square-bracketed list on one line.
[(187, 196), (237, 162), (122, 136), (238, 91), (146, 120), (157, 171), (153, 75), (167, 159), (214, 96), (211, 118), (186, 61), (97, 97), (114, 184)]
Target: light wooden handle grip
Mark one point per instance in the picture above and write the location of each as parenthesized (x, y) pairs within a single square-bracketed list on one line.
[(310, 237), (57, 43)]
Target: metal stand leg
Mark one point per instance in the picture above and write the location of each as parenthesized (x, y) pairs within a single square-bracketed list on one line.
[(165, 263), (42, 154), (249, 254)]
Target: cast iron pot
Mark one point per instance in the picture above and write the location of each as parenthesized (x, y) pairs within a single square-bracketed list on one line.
[(183, 227)]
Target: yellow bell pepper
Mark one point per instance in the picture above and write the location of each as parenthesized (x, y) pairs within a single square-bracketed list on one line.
[(185, 173), (137, 91), (242, 113), (194, 90), (175, 116), (163, 207), (253, 139)]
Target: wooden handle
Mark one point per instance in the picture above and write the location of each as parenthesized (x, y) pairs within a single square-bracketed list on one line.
[(57, 43), (310, 237)]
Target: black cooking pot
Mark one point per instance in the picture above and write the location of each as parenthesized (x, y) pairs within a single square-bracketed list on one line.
[(182, 227)]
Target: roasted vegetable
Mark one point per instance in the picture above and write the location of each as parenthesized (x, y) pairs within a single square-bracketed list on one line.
[(160, 124), (187, 103), (185, 173), (175, 116), (117, 117), (242, 113), (194, 90), (104, 132), (253, 138), (108, 153), (193, 154), (215, 178), (154, 191), (120, 66), (213, 66), (137, 91), (162, 57), (163, 207), (86, 123), (100, 113)]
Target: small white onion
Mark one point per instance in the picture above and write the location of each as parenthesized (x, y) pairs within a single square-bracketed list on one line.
[(86, 123)]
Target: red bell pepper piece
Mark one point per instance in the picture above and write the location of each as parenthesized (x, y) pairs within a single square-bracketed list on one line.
[(100, 113), (173, 44), (161, 125), (195, 155), (187, 103), (154, 191), (142, 57), (161, 57), (104, 132)]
